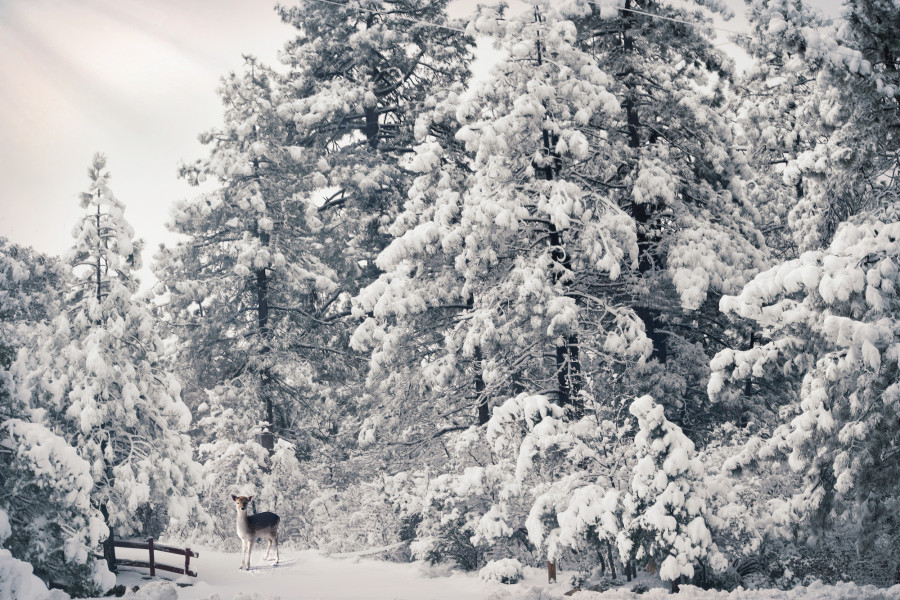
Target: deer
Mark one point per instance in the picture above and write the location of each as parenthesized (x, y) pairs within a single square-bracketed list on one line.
[(250, 527)]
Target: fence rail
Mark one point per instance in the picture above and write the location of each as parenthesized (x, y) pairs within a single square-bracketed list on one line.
[(152, 547)]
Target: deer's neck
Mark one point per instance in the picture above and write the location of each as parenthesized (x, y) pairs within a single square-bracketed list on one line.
[(243, 521)]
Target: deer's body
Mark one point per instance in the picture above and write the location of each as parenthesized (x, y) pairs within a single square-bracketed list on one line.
[(250, 527)]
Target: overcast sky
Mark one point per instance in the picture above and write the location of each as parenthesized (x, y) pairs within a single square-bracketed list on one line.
[(135, 79), (130, 78)]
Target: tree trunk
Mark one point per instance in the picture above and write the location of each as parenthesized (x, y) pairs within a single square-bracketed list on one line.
[(612, 563), (99, 254), (267, 438), (109, 548), (568, 364), (748, 383), (642, 213), (480, 397), (372, 127), (483, 413)]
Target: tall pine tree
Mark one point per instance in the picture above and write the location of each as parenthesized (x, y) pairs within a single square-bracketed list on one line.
[(98, 381)]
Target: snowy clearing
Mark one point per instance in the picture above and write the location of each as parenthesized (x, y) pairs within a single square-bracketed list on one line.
[(310, 575)]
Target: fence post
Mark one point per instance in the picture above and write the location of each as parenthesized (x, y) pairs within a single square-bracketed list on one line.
[(152, 564), (551, 572), (187, 561)]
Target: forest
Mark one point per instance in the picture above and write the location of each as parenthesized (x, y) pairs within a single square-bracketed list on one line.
[(615, 305)]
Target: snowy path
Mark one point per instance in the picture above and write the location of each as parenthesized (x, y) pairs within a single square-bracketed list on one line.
[(308, 575)]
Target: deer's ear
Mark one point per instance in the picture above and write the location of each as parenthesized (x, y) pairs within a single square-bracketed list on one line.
[(233, 497), (250, 499)]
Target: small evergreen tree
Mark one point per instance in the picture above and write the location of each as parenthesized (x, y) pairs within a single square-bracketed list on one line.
[(51, 523), (664, 513), (96, 378)]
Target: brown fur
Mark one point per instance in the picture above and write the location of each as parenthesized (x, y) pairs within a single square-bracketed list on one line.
[(250, 527)]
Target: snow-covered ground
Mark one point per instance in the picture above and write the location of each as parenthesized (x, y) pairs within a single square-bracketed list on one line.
[(310, 575)]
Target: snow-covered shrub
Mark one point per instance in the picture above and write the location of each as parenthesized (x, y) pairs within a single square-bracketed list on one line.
[(471, 512), (51, 522), (665, 513), (16, 578), (565, 472), (749, 507), (452, 508), (353, 516), (505, 570)]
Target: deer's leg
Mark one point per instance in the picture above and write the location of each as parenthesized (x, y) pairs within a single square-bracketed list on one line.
[(249, 551), (243, 551), (269, 547), (276, 547)]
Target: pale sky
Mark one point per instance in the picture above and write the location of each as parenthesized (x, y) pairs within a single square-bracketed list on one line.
[(130, 78), (134, 79)]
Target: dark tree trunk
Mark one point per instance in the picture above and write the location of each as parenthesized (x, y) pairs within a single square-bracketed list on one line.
[(109, 548), (568, 365), (748, 383), (612, 563), (99, 284), (642, 213), (372, 127), (267, 438), (483, 412)]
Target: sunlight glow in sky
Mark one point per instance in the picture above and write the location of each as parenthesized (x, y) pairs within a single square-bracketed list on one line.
[(135, 80)]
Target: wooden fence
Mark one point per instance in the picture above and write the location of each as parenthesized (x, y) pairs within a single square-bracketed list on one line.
[(187, 553)]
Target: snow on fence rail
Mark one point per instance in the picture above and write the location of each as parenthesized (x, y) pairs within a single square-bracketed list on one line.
[(187, 553)]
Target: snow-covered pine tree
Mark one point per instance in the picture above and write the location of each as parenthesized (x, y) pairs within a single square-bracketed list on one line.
[(827, 102), (664, 511), (49, 521), (47, 497), (831, 315), (359, 75), (334, 124), (241, 290), (481, 241), (669, 162), (96, 378), (409, 311), (838, 81), (16, 577)]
